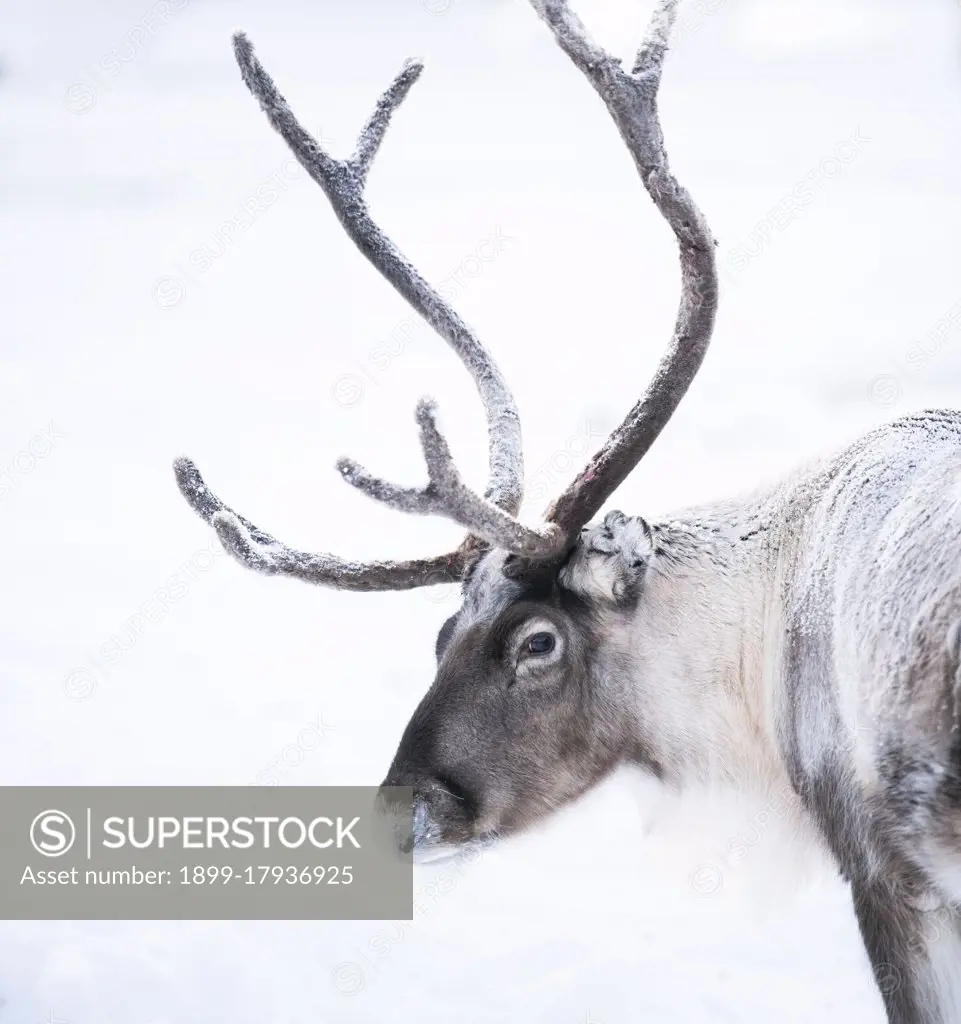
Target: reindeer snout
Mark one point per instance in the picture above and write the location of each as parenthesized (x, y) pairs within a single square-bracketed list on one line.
[(441, 811)]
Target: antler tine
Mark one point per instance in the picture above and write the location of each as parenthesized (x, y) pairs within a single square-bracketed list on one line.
[(446, 495), (372, 134), (631, 99), (259, 551)]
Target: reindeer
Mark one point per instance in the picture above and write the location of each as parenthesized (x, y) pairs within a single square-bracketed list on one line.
[(807, 637)]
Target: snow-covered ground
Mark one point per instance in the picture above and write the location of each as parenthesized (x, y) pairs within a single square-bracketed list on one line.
[(146, 314)]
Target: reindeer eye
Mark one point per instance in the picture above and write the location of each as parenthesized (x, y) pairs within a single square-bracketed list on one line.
[(540, 643)]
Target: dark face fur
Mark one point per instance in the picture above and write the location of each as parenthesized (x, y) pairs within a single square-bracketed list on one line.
[(522, 715)]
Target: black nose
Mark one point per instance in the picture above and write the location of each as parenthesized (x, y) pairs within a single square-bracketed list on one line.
[(443, 805)]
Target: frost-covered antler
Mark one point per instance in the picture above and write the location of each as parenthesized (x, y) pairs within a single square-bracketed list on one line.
[(343, 184), (446, 495), (631, 99), (491, 520)]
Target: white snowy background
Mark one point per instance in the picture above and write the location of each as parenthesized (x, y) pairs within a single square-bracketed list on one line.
[(129, 146)]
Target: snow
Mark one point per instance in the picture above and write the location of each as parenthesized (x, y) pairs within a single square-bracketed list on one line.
[(174, 284)]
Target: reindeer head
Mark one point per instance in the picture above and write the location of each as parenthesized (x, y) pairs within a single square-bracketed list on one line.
[(531, 702)]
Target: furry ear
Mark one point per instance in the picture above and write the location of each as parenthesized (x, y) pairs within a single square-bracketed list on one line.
[(610, 560)]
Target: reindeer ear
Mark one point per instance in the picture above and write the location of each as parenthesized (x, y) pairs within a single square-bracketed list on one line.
[(610, 560)]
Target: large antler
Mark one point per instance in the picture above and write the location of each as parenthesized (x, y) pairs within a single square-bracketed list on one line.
[(343, 183), (631, 98)]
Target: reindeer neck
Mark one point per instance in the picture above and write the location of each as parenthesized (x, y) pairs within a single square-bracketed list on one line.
[(704, 640)]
